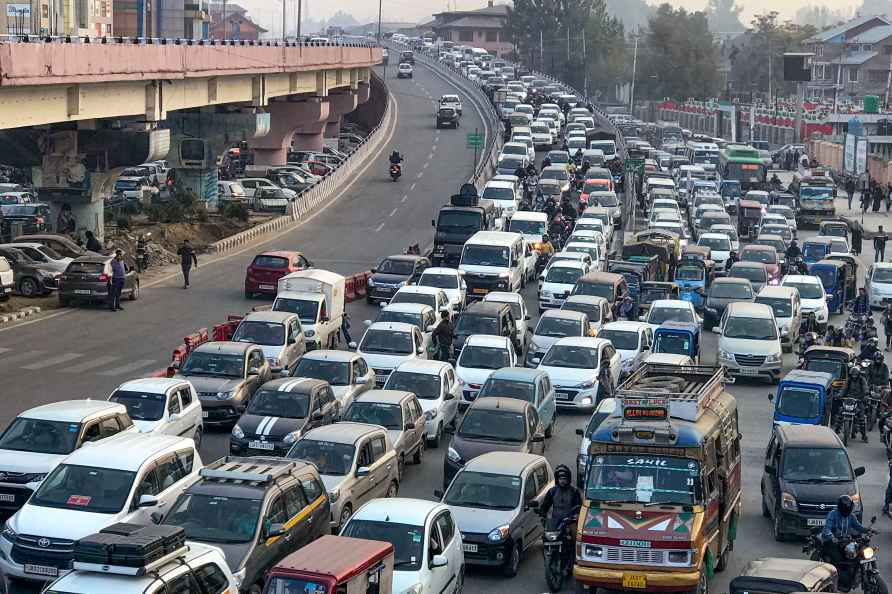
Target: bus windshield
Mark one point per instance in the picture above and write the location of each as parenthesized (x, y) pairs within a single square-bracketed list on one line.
[(747, 172), (643, 479)]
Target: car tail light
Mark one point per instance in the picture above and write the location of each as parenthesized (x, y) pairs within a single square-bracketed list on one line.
[(39, 220), (104, 278)]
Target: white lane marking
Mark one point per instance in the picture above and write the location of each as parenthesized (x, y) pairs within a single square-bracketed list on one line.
[(393, 212), (419, 175), (379, 227), (25, 356), (3, 350), (138, 364), (412, 187), (53, 361), (430, 155), (404, 198), (91, 364), (426, 163)]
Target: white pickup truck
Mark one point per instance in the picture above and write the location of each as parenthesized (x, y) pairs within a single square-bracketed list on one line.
[(317, 296), (453, 101)]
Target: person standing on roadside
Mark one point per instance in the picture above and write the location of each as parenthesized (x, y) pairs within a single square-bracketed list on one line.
[(850, 190), (187, 258), (116, 285), (879, 245)]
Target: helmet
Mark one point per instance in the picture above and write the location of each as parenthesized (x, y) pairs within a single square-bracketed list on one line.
[(878, 357), (845, 505), (563, 471), (855, 371)]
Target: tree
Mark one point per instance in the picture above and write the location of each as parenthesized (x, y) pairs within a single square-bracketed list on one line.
[(822, 17), (724, 16), (878, 7), (677, 56), (633, 14)]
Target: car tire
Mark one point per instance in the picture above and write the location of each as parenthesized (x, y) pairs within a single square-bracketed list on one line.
[(435, 442), (513, 562), (29, 287), (134, 292), (346, 512), (549, 431), (196, 437), (419, 453), (766, 513), (393, 490)]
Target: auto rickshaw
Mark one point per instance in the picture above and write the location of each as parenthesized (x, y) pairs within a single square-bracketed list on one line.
[(653, 291), (637, 271), (662, 237), (731, 192), (749, 213), (775, 575), (335, 565), (692, 278), (642, 251), (702, 253), (803, 397), (834, 275), (833, 360), (678, 338), (833, 228), (815, 249), (851, 274)]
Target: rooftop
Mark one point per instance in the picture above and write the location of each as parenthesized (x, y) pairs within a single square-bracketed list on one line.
[(384, 396), (72, 410), (125, 451), (840, 30), (510, 463), (342, 432), (398, 509)]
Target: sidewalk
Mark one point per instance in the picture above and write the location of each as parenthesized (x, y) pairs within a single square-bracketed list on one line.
[(869, 220)]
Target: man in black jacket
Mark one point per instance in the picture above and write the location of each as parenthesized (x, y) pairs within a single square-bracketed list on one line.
[(443, 336)]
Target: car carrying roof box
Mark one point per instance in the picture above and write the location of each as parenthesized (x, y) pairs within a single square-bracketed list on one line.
[(121, 545)]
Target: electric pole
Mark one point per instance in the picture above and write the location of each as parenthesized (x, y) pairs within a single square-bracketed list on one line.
[(379, 21), (299, 15), (634, 71), (284, 7)]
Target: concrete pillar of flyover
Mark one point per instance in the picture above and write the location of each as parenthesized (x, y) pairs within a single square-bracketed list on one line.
[(300, 121), (339, 105)]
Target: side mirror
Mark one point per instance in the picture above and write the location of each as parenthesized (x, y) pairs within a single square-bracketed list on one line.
[(770, 469), (580, 433), (860, 471), (449, 396), (292, 340), (532, 504), (361, 381), (538, 437), (253, 371), (438, 493), (409, 426), (362, 471), (439, 561), (317, 415), (770, 397), (352, 345), (174, 417), (717, 330), (373, 270), (367, 322), (147, 501), (156, 517), (383, 304)]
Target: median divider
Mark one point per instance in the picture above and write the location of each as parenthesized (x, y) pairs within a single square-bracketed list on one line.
[(362, 283), (350, 289)]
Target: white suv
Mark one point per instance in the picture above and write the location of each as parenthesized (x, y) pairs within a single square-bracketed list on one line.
[(162, 406), (435, 385), (812, 297), (124, 479), (38, 439), (750, 343)]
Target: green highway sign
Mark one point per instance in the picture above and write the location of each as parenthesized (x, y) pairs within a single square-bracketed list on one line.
[(474, 140), (635, 166)]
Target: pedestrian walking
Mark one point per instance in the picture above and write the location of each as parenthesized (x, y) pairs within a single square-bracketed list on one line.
[(888, 197), (187, 259), (878, 196), (857, 235), (887, 325), (116, 284), (850, 190), (345, 328), (879, 245)]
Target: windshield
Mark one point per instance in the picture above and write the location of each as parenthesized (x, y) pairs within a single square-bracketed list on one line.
[(799, 403), (484, 490), (305, 310), (605, 200), (763, 256), (753, 273), (652, 479), (689, 272), (731, 291), (604, 290), (660, 315), (747, 172), (85, 488), (495, 193), (336, 373), (808, 290), (507, 388), (262, 333), (407, 540), (514, 149), (783, 308), (376, 413), (510, 162), (573, 357), (826, 275), (558, 327), (274, 403), (415, 319), (40, 436), (210, 518), (498, 425), (486, 255), (592, 311), (750, 328), (481, 357), (558, 174), (563, 275), (438, 281), (816, 464), (677, 344), (424, 385), (214, 364), (453, 221), (474, 324), (386, 341), (409, 297), (815, 251), (331, 458), (396, 267), (127, 184), (596, 186), (527, 227), (141, 406), (882, 275)]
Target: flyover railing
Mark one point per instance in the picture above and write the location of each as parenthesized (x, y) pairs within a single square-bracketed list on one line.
[(129, 40)]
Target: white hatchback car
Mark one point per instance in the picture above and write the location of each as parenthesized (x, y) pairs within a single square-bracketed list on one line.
[(387, 344), (162, 406), (632, 340), (574, 365), (480, 356), (437, 389), (558, 281), (671, 310), (450, 281), (812, 296), (429, 557)]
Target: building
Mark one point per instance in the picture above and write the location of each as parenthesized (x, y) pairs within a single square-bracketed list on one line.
[(485, 28), (173, 19), (57, 17), (234, 23), (851, 60)]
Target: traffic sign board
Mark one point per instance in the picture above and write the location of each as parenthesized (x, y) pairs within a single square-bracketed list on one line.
[(474, 140), (635, 166)]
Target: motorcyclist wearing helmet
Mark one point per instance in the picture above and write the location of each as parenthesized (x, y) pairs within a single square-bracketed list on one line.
[(793, 251), (879, 372), (396, 158), (811, 323), (563, 502), (531, 170), (840, 525), (869, 348), (556, 228), (856, 389), (567, 209)]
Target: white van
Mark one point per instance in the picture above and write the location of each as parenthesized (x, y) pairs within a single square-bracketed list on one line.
[(749, 344), (532, 225), (787, 312), (607, 146), (492, 261), (504, 196)]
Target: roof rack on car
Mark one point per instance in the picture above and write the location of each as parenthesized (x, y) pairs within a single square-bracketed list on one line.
[(134, 571), (248, 469)]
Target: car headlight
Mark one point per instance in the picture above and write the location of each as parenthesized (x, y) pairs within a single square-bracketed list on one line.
[(868, 553), (498, 534), (680, 557), (310, 333), (370, 283), (291, 437), (453, 456), (788, 502), (238, 433), (413, 589), (725, 355), (430, 414), (776, 358), (8, 533), (224, 395), (587, 385), (333, 496)]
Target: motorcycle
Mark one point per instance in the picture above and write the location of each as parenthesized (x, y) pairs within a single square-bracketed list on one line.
[(396, 171), (854, 328), (874, 406), (142, 252), (558, 550), (860, 568), (809, 339), (848, 410)]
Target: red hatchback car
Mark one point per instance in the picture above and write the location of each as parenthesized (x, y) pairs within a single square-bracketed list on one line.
[(267, 268)]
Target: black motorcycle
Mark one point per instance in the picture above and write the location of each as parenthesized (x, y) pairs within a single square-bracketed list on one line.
[(143, 260), (874, 405), (845, 421), (860, 566), (558, 551), (396, 171)]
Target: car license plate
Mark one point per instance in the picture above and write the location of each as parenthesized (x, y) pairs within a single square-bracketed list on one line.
[(266, 287), (634, 580), (204, 414), (380, 379), (469, 547), (41, 570), (563, 395), (260, 445), (749, 371), (9, 498), (815, 522), (480, 291), (82, 292)]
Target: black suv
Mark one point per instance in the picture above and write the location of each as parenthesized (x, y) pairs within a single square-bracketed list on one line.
[(257, 510), (807, 468), (722, 292), (487, 317), (280, 411), (447, 117), (392, 273)]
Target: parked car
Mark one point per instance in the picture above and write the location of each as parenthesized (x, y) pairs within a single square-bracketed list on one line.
[(31, 278), (42, 255), (162, 406), (88, 278), (61, 244), (7, 279), (32, 217)]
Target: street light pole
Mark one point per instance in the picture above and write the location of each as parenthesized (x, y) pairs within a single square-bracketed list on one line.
[(379, 21), (224, 19), (634, 70), (284, 7), (299, 11)]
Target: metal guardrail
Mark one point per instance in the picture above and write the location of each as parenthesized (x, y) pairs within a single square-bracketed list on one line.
[(123, 40)]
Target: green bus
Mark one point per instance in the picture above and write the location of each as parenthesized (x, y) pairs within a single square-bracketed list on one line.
[(743, 163)]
